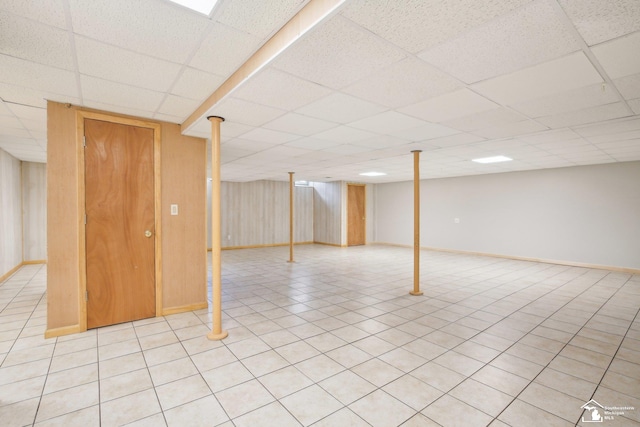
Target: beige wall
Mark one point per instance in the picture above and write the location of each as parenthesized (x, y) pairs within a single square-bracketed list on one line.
[(257, 213), (10, 213), (34, 211), (183, 244)]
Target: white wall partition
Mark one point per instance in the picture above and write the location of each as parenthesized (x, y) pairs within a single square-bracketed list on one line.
[(582, 214), (10, 213), (34, 212)]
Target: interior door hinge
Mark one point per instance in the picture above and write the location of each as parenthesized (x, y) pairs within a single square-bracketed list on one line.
[(85, 219), (86, 295), (84, 141)]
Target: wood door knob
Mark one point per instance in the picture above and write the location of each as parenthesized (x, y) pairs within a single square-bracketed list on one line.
[(148, 233)]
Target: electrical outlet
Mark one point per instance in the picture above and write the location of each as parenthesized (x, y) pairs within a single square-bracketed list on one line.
[(174, 209)]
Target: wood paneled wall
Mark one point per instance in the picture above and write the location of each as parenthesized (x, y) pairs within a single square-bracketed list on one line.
[(10, 213), (183, 258), (184, 266), (257, 213), (34, 211), (329, 212)]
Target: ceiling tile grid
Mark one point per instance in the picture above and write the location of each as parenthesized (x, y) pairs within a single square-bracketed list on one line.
[(530, 35), (529, 79)]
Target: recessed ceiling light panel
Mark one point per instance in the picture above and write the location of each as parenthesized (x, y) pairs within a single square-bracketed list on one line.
[(373, 174), (494, 159), (201, 6)]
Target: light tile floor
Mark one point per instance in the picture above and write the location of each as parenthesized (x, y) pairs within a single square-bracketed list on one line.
[(335, 340)]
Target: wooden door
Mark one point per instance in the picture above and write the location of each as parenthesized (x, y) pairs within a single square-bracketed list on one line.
[(120, 247), (355, 215)]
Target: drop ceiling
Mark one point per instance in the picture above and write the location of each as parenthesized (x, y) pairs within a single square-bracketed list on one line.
[(548, 83)]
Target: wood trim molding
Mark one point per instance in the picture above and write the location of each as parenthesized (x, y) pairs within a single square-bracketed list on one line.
[(331, 244), (81, 115), (522, 258), (10, 272), (34, 261), (184, 308), (65, 330), (270, 245)]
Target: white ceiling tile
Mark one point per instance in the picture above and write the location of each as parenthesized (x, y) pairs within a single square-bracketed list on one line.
[(28, 112), (50, 12), (560, 75), (4, 110), (615, 138), (426, 131), (336, 54), (246, 144), (599, 21), (499, 116), (511, 129), (269, 136), (168, 118), (299, 124), (196, 84), (223, 50), (277, 89), (550, 137), (572, 100), (245, 112), (141, 26), (416, 25), (19, 132), (346, 149), (35, 42), (33, 97), (178, 106), (380, 142), (340, 108), (588, 115), (449, 106), (19, 72), (106, 92), (312, 143), (258, 18), (105, 61), (528, 36), (616, 126), (230, 130), (402, 83), (387, 123), (10, 122), (635, 105), (457, 139), (344, 134), (619, 57), (629, 86)]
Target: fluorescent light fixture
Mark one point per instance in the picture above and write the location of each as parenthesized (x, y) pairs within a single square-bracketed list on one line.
[(202, 6), (373, 174), (494, 159)]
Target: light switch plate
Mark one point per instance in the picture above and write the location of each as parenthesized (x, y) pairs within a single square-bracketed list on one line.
[(174, 209)]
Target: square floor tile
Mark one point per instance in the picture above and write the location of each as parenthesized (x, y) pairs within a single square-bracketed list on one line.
[(381, 409), (310, 404), (438, 376), (347, 387), (273, 414), (285, 381), (412, 392), (129, 408), (201, 412), (234, 400)]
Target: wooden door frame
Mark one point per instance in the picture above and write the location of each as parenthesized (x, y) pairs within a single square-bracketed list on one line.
[(82, 250), (357, 184)]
